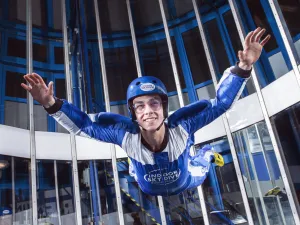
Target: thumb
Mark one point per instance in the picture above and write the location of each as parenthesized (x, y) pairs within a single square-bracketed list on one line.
[(50, 86)]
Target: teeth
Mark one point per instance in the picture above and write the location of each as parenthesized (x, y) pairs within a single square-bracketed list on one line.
[(149, 119)]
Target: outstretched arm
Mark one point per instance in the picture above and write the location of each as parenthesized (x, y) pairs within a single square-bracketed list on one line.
[(105, 127), (199, 114)]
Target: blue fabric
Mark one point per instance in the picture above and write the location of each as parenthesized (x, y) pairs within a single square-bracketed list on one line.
[(172, 170)]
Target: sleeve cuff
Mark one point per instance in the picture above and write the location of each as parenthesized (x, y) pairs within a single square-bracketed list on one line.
[(240, 72), (56, 107)]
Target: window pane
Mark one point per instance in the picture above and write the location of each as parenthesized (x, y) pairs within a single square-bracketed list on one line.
[(137, 206), (236, 43), (16, 47), (147, 13), (274, 61), (262, 176), (23, 203), (157, 63), (121, 70), (287, 126), (196, 56), (221, 189), (15, 110), (66, 193), (291, 10), (183, 7), (184, 208), (6, 190), (39, 52), (46, 194), (216, 43), (59, 55)]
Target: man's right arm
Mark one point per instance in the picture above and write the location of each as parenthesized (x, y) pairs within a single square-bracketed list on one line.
[(111, 128)]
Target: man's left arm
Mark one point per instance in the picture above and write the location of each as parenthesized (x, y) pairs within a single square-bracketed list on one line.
[(199, 114)]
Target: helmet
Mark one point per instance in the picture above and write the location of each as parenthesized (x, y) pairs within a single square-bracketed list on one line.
[(146, 85)]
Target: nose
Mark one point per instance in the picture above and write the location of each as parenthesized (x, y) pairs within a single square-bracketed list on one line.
[(148, 109)]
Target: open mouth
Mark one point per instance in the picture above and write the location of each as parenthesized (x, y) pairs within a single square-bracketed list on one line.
[(150, 119)]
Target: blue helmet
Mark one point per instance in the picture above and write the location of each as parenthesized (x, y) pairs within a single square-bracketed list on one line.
[(146, 85)]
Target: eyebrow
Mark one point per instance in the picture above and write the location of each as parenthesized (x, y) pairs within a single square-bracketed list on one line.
[(141, 102)]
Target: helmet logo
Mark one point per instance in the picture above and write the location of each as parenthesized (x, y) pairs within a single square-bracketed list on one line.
[(147, 87)]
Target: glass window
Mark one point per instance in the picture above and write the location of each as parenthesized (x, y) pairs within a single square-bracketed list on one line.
[(39, 52), (60, 88), (106, 190), (157, 63), (216, 44), (16, 10), (274, 61), (264, 185), (15, 111), (121, 70), (6, 190), (46, 194), (147, 13), (85, 192), (287, 125), (236, 43), (16, 48), (113, 16), (196, 56), (65, 192), (291, 10), (13, 81), (221, 189), (23, 205), (183, 6), (59, 55), (137, 206), (184, 208)]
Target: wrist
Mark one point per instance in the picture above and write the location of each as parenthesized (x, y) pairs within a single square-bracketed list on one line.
[(244, 66), (50, 103)]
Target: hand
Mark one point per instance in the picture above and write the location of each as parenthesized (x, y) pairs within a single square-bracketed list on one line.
[(252, 49), (39, 90)]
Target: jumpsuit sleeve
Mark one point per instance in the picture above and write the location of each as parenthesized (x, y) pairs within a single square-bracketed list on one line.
[(106, 127), (197, 115)]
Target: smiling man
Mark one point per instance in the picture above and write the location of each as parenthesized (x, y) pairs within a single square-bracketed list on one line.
[(158, 146)]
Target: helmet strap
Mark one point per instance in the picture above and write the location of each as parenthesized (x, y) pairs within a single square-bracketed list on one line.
[(157, 129)]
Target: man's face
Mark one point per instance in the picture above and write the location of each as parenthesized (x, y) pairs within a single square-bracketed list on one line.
[(149, 111)]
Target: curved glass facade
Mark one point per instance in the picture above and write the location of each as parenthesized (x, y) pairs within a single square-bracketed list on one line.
[(48, 176)]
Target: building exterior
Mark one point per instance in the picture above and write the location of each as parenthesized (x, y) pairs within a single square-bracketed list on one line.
[(92, 50)]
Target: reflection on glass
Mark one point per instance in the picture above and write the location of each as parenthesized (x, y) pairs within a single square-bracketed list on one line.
[(261, 175), (15, 111), (106, 190), (138, 207), (46, 195), (23, 212), (6, 190), (236, 43), (273, 62), (196, 56), (221, 189), (291, 10), (147, 13), (156, 60), (85, 192), (184, 208), (65, 191), (218, 50), (287, 125)]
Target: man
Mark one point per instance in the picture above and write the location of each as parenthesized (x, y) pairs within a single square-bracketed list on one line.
[(158, 150)]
